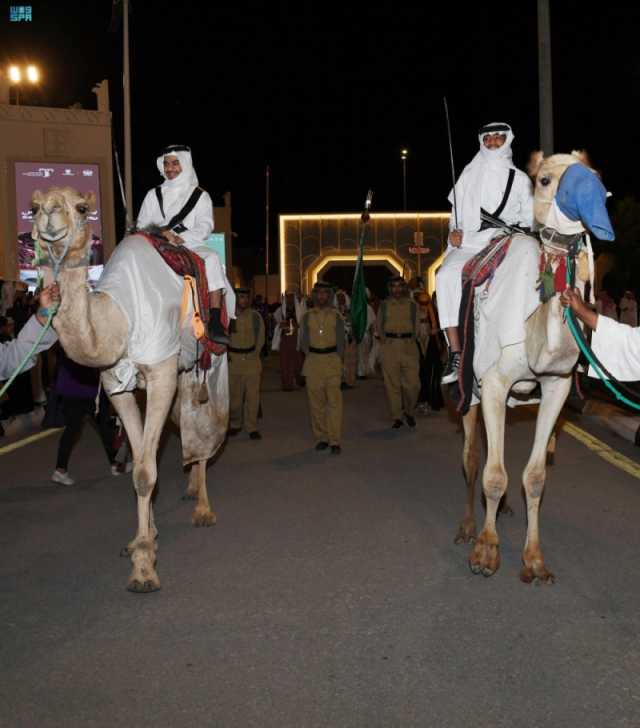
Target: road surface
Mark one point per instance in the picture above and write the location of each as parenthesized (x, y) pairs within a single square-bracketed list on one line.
[(329, 594)]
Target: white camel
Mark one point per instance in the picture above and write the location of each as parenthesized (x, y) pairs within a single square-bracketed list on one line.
[(544, 353), (95, 331)]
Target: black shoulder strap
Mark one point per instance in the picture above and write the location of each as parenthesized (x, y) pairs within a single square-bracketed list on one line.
[(507, 192), (188, 207), (159, 196)]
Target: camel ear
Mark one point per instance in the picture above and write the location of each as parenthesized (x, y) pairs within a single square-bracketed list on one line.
[(37, 197), (535, 162), (90, 199), (581, 155)]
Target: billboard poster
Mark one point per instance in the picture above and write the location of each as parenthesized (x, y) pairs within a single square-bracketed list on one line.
[(31, 176), (215, 241)]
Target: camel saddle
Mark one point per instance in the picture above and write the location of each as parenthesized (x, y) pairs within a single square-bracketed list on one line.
[(190, 266)]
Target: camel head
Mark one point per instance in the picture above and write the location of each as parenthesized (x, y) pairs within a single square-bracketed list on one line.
[(577, 191), (60, 216)]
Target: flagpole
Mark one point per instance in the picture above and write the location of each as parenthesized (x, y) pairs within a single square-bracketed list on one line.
[(358, 293), (128, 180)]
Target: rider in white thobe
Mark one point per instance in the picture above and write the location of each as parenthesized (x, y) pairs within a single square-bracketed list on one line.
[(162, 204), (483, 184)]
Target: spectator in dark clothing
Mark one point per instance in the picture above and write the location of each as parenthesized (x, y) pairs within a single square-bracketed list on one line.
[(78, 385)]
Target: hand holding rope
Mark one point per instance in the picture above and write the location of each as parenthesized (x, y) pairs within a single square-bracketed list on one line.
[(51, 297)]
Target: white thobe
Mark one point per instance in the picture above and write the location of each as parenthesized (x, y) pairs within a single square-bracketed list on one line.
[(618, 348), (517, 211), (199, 223)]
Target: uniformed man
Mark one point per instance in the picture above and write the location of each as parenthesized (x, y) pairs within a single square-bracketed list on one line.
[(397, 327), (322, 340), (245, 367)]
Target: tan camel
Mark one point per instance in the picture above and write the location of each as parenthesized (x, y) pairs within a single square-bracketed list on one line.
[(547, 355), (94, 331)]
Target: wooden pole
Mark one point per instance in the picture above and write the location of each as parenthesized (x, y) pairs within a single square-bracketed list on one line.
[(266, 243), (128, 180), (544, 77)]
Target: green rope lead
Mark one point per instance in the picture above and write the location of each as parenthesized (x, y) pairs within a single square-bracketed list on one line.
[(21, 366), (585, 349)]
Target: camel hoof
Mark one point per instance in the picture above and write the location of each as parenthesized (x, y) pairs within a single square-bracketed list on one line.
[(463, 537), (485, 556), (206, 519), (143, 587), (528, 575)]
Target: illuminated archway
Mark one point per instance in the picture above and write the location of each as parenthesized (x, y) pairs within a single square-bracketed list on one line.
[(326, 260), (393, 240)]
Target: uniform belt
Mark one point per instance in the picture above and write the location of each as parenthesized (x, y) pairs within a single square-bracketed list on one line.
[(235, 350), (389, 335), (328, 350)]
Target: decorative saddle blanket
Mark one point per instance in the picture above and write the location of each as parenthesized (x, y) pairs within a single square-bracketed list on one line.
[(499, 295), (478, 270), (188, 264)]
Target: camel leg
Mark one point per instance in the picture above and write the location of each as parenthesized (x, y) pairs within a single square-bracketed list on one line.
[(554, 393), (470, 463), (126, 407), (202, 514), (161, 382), (485, 555)]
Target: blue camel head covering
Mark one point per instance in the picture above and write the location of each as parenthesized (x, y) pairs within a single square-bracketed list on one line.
[(582, 196)]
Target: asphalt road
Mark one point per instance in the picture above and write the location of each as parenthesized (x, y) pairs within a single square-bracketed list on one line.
[(329, 594)]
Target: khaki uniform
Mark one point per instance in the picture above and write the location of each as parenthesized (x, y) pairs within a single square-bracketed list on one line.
[(400, 357), (323, 331), (245, 369)]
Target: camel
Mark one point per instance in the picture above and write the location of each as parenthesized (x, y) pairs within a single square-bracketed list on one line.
[(546, 354), (94, 330)]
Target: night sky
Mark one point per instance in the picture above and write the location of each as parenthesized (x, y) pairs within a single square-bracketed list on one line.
[(328, 95)]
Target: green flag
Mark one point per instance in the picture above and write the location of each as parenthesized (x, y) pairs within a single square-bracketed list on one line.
[(359, 294)]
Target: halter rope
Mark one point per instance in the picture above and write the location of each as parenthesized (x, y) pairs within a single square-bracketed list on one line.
[(609, 381)]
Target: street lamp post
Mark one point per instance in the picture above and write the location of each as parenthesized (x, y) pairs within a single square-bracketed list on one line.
[(403, 156), (15, 76)]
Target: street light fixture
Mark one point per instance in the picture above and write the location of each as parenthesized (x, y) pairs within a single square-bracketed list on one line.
[(15, 75), (404, 153)]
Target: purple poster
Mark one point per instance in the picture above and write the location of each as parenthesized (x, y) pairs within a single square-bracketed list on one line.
[(31, 176)]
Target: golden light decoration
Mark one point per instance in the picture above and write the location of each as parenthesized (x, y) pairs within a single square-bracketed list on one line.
[(373, 257)]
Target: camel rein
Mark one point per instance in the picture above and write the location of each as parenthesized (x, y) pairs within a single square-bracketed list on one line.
[(610, 382)]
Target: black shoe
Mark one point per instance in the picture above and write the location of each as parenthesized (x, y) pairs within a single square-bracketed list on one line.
[(255, 435), (215, 329), (450, 373), (397, 424), (411, 421), (336, 449), (322, 446), (233, 431)]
